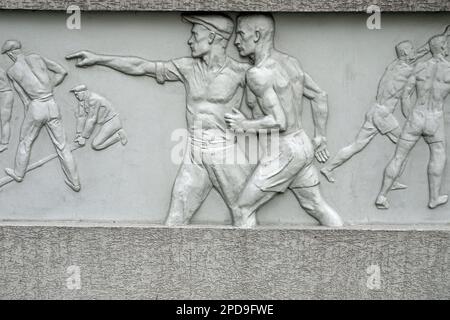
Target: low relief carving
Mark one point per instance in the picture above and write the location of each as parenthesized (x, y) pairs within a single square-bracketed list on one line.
[(430, 80), (34, 79), (6, 105), (273, 84), (215, 85), (95, 110)]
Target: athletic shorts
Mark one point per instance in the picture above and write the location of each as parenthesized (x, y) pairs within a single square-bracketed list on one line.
[(291, 167)]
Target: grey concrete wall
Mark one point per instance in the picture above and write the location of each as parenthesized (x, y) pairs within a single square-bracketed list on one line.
[(133, 183), (241, 5), (135, 262)]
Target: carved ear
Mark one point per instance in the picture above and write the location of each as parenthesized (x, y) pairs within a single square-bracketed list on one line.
[(211, 37), (257, 36)]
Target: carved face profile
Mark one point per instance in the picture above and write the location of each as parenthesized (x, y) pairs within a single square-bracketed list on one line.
[(200, 41), (245, 38)]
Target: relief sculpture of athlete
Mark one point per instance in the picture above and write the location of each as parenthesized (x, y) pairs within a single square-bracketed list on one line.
[(380, 117), (34, 78), (276, 83), (431, 82), (214, 85)]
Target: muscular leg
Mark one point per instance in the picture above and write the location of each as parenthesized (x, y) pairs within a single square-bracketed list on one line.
[(315, 205), (56, 132), (249, 201), (28, 134), (6, 105), (393, 170), (436, 167), (364, 136), (394, 135), (108, 134), (190, 189)]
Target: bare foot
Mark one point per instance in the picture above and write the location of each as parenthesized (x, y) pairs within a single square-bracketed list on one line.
[(327, 173), (382, 203), (398, 186), (123, 137), (74, 187), (10, 172), (438, 202)]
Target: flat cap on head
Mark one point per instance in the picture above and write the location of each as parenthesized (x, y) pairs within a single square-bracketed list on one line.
[(79, 88), (217, 23), (11, 45)]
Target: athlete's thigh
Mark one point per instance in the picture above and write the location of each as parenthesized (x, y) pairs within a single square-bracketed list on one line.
[(56, 132), (30, 127), (6, 104), (192, 184), (253, 197), (367, 132)]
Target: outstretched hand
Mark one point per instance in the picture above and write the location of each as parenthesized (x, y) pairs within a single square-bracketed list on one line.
[(321, 151), (85, 58)]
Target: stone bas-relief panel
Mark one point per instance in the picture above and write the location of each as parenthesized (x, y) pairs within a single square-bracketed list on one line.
[(251, 76)]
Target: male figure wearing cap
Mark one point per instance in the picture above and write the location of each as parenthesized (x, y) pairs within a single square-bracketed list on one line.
[(276, 84), (6, 105), (214, 85), (93, 110), (34, 78)]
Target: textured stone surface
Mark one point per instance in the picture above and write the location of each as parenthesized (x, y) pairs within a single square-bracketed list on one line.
[(239, 5), (222, 263)]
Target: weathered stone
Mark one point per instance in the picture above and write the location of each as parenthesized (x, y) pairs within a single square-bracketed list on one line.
[(134, 262)]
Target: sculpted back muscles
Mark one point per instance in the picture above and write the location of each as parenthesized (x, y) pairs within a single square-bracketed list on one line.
[(34, 78), (380, 118), (431, 81)]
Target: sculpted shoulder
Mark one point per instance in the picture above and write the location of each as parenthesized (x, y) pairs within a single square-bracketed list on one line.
[(259, 77), (238, 66)]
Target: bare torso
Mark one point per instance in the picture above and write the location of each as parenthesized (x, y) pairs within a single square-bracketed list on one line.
[(211, 94), (432, 85), (32, 75), (392, 83), (284, 74)]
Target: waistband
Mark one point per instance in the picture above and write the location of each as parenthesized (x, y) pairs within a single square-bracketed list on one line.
[(44, 98)]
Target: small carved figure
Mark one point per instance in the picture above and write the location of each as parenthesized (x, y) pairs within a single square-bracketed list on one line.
[(214, 85), (6, 105), (93, 110), (431, 81), (276, 84), (34, 78)]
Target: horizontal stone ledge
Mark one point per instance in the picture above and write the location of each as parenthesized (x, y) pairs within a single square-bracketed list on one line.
[(239, 5), (135, 261)]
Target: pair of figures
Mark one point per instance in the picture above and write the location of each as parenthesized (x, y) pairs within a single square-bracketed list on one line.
[(34, 78), (215, 84), (430, 79)]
